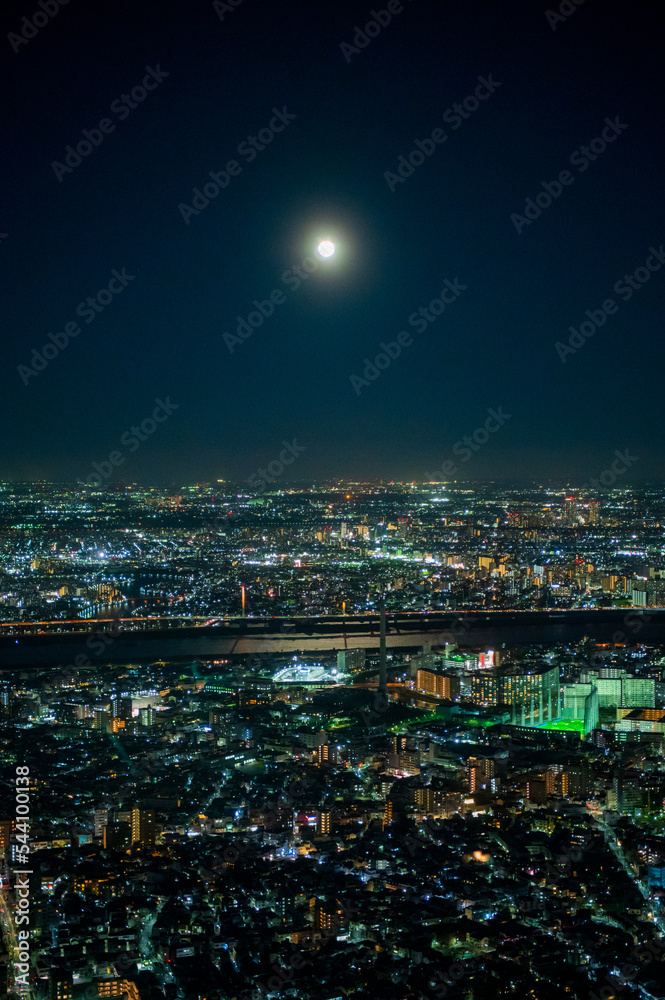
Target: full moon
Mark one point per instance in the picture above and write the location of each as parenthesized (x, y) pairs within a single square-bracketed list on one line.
[(326, 248)]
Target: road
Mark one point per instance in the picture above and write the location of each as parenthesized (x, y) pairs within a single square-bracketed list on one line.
[(610, 838), (9, 933)]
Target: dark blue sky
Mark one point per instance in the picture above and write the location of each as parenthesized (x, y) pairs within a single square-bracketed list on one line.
[(162, 335)]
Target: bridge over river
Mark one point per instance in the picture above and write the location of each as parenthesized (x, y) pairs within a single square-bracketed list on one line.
[(35, 644)]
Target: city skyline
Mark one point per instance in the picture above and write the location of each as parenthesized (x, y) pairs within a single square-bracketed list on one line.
[(332, 501)]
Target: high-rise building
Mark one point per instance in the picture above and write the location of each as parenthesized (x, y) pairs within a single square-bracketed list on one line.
[(351, 661), (434, 802), (481, 771), (580, 701), (6, 692), (117, 836), (328, 916), (638, 692), (147, 717), (323, 822), (575, 781), (326, 754), (438, 685), (570, 514), (143, 827), (121, 708), (102, 720), (485, 688), (60, 982), (101, 819), (421, 661), (609, 691), (629, 796), (591, 512), (533, 691)]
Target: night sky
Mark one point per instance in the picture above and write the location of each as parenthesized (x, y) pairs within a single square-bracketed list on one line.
[(220, 76)]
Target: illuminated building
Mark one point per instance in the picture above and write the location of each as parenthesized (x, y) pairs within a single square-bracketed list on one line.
[(575, 781), (326, 754), (121, 708), (638, 692), (327, 916), (438, 685), (254, 693), (629, 794), (609, 691), (218, 684), (5, 835), (570, 514), (118, 988), (101, 819), (580, 701), (102, 720), (147, 717), (117, 836), (485, 689), (351, 661), (553, 779), (143, 827), (644, 720), (592, 512), (403, 760), (481, 771), (59, 984), (452, 661), (434, 802), (323, 823), (532, 692)]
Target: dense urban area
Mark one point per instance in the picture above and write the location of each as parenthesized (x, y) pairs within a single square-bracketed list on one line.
[(70, 552), (411, 822)]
